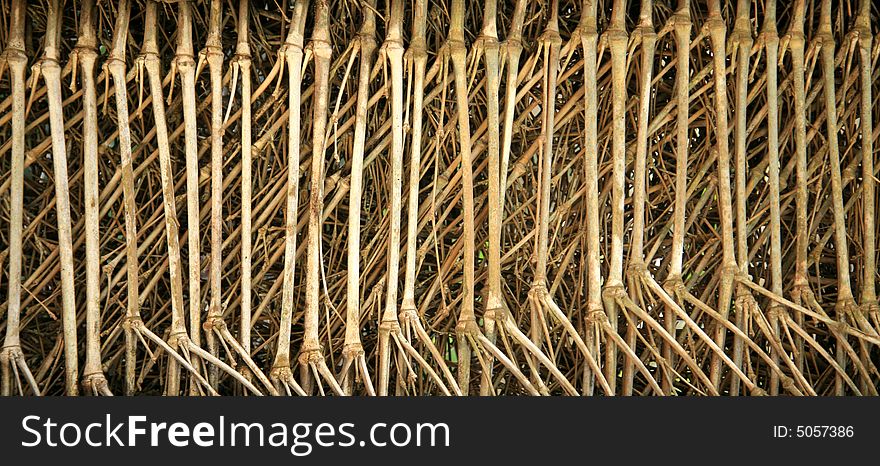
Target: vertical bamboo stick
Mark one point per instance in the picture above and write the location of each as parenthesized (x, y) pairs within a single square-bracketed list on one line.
[(589, 42), (741, 41), (845, 300), (682, 28), (869, 273), (311, 357), (617, 42), (418, 56), (513, 46), (86, 53), (116, 65), (488, 44), (770, 39), (51, 70), (149, 60), (185, 65), (551, 43), (648, 38), (292, 54), (242, 62), (801, 289), (214, 56), (393, 49), (718, 35), (11, 354), (466, 319), (353, 352)]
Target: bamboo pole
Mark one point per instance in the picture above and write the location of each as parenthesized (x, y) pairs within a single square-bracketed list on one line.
[(770, 39), (149, 61), (86, 54), (313, 367), (292, 54), (242, 64), (354, 350), (869, 274), (801, 290), (596, 313), (116, 65), (845, 301), (51, 71), (11, 356), (681, 26), (741, 44), (718, 35), (648, 38), (185, 65)]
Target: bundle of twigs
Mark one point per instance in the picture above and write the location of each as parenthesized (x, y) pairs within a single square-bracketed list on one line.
[(654, 197)]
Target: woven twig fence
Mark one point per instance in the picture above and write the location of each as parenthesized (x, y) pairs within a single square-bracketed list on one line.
[(654, 197)]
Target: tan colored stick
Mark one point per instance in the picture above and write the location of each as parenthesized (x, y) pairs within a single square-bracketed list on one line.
[(466, 318), (617, 42), (488, 45), (51, 70), (845, 300), (801, 289), (311, 355), (589, 42), (392, 49), (117, 68), (770, 39), (741, 44), (645, 34), (682, 27), (213, 53), (353, 352), (85, 54), (10, 354), (243, 62), (149, 60), (185, 65), (718, 35), (292, 54), (865, 36)]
